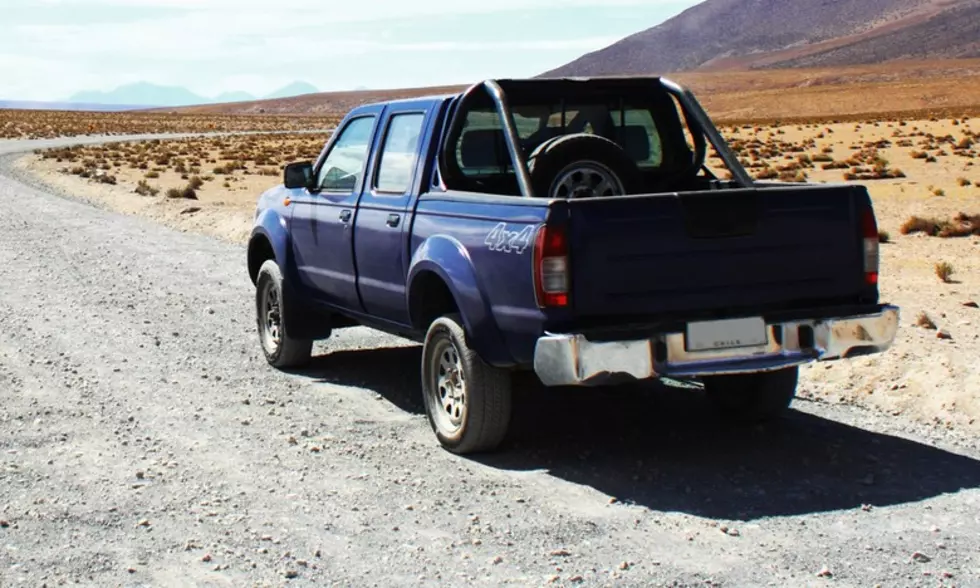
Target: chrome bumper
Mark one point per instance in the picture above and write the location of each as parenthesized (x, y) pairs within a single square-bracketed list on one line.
[(573, 360)]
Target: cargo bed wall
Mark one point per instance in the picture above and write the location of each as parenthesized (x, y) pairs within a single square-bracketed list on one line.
[(695, 252)]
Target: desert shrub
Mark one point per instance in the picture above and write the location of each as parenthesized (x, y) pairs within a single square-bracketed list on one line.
[(143, 188), (963, 182), (884, 237), (944, 270), (152, 175), (939, 192), (195, 182)]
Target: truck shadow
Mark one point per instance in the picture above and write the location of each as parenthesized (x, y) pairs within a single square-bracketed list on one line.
[(660, 447)]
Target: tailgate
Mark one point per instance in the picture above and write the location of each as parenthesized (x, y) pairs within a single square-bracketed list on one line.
[(715, 251)]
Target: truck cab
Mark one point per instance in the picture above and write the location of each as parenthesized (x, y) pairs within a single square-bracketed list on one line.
[(571, 228)]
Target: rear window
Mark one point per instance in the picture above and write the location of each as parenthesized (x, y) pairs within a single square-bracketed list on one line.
[(482, 149)]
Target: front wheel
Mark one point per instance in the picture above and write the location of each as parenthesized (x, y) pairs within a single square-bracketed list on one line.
[(467, 401), (753, 398), (273, 303)]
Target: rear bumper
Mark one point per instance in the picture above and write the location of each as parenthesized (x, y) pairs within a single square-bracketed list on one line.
[(573, 360)]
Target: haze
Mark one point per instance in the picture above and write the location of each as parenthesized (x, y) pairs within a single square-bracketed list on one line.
[(52, 49)]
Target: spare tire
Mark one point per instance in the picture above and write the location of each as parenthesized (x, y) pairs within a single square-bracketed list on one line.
[(582, 165)]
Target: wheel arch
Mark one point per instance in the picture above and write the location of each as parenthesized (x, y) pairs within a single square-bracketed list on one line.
[(442, 279)]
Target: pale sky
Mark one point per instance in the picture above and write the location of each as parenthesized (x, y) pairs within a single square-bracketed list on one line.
[(50, 49)]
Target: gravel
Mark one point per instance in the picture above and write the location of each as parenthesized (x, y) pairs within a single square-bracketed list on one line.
[(143, 440)]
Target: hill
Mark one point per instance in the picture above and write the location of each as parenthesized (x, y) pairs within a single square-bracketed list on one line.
[(746, 34), (153, 95)]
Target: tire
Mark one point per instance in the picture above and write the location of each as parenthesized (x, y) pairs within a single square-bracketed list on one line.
[(752, 398), (473, 417), (556, 158), (273, 302)]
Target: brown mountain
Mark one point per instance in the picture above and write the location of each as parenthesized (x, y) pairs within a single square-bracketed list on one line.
[(746, 34)]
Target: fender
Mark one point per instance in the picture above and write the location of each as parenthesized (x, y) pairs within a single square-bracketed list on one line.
[(446, 257), (271, 225)]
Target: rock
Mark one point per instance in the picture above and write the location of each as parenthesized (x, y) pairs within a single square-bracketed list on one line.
[(496, 560), (576, 579), (625, 565), (825, 573), (291, 573), (920, 557), (560, 552), (143, 523), (943, 334), (866, 507), (971, 304), (191, 210), (206, 558)]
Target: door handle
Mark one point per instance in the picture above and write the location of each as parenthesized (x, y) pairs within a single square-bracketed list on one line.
[(393, 220), (345, 216)]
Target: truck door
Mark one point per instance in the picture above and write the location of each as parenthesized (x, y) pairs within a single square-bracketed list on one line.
[(322, 224), (383, 215)]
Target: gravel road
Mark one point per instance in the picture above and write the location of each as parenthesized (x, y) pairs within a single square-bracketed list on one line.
[(144, 441)]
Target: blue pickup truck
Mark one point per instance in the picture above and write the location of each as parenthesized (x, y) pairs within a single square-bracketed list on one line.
[(570, 227)]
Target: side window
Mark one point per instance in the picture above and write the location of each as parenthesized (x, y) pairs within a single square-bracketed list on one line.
[(343, 165), (399, 154), (637, 133)]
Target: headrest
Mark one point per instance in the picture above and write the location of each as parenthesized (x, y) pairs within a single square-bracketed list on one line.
[(482, 148), (635, 140)]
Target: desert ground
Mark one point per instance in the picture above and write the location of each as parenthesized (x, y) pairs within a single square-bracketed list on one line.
[(918, 171), (143, 440)]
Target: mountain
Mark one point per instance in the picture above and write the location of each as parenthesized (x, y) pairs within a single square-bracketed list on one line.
[(142, 93), (226, 97), (293, 89), (38, 105), (746, 34), (146, 94)]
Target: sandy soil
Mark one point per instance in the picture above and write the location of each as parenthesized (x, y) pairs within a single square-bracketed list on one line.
[(931, 379)]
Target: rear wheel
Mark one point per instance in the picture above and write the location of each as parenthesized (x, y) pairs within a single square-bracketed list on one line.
[(752, 398), (467, 401), (273, 303)]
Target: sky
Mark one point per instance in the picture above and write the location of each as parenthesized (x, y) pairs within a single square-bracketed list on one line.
[(51, 49)]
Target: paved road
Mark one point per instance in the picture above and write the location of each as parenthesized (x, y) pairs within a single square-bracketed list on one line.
[(144, 441)]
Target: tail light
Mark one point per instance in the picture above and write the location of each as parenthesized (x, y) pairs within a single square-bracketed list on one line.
[(551, 267), (869, 229)]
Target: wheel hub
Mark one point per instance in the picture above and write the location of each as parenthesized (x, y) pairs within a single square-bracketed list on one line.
[(272, 315), (450, 386), (585, 179)]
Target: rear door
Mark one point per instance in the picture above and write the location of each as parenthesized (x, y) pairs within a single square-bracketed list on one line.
[(383, 216), (714, 251)]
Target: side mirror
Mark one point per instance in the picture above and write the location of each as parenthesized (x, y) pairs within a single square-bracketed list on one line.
[(298, 175)]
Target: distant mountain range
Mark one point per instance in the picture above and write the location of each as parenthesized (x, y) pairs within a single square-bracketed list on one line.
[(752, 34), (148, 95)]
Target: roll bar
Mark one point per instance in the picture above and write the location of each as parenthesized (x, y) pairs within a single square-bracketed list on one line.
[(493, 89)]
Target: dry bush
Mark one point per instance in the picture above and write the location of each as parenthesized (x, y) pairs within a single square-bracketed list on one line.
[(50, 124), (884, 237), (961, 225), (944, 270), (145, 189), (963, 182)]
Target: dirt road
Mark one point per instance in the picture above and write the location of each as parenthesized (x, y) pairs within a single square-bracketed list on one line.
[(144, 441)]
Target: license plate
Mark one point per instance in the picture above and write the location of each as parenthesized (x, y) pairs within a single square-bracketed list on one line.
[(726, 334)]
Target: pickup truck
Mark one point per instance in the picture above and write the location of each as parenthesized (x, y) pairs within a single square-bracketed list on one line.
[(568, 227)]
